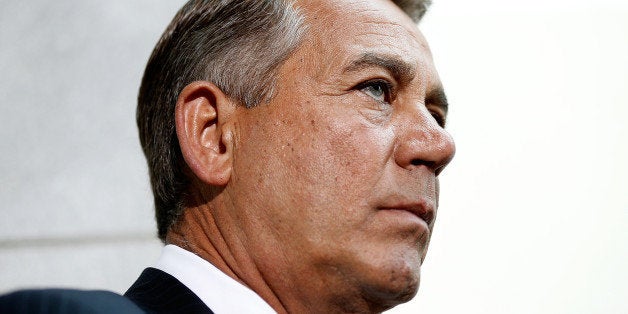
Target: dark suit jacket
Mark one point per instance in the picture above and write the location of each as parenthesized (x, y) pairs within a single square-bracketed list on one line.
[(66, 301), (153, 292), (158, 292)]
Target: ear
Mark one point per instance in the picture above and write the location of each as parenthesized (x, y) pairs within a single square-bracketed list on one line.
[(200, 114)]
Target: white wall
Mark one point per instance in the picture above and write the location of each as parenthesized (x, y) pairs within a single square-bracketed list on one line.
[(534, 211)]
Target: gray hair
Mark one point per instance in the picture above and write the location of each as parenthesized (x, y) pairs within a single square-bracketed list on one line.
[(414, 8), (237, 45)]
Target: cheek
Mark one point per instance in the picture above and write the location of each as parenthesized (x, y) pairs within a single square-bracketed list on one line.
[(360, 153), (338, 162), (321, 167)]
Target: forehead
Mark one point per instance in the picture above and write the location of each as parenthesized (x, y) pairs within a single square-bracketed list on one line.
[(341, 31)]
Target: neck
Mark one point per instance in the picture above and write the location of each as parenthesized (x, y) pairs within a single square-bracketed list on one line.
[(197, 231), (211, 232)]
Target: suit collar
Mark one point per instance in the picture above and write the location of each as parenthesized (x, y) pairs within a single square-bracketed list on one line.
[(158, 292)]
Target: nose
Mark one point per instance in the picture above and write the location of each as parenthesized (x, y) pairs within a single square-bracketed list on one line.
[(422, 142)]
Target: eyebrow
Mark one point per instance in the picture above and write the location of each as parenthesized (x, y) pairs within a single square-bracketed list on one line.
[(398, 68)]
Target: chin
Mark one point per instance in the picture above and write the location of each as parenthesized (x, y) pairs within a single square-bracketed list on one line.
[(397, 282)]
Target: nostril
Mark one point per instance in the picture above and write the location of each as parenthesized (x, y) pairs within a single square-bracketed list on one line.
[(420, 162)]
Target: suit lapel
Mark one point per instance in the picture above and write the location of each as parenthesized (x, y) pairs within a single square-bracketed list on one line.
[(158, 292)]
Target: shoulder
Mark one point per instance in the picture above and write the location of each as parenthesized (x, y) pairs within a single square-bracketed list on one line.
[(66, 301)]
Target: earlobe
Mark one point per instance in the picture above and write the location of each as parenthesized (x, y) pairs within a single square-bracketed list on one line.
[(200, 114)]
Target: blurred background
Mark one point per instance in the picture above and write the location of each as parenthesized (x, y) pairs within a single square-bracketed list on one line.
[(534, 208)]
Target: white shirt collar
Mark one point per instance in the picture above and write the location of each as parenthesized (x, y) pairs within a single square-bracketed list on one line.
[(221, 293)]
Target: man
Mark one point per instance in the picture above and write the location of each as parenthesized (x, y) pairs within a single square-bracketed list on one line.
[(294, 149)]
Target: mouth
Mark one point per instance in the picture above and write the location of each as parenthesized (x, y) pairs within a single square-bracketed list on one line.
[(422, 209)]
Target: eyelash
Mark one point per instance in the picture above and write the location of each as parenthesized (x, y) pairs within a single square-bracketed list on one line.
[(386, 86), (440, 119)]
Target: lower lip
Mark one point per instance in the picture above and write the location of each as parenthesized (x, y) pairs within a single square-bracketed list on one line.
[(406, 218)]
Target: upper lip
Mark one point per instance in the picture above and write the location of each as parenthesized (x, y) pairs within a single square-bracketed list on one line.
[(423, 209)]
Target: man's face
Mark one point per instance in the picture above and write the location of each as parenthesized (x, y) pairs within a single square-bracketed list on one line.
[(334, 181)]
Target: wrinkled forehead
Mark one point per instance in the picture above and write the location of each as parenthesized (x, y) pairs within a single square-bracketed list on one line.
[(341, 15), (344, 30)]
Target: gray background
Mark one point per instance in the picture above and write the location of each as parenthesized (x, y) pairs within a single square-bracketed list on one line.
[(76, 208), (534, 209)]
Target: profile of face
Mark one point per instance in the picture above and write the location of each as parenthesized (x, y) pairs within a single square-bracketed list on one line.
[(334, 185)]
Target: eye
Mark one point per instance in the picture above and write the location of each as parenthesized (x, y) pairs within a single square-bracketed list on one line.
[(379, 90), (440, 118)]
